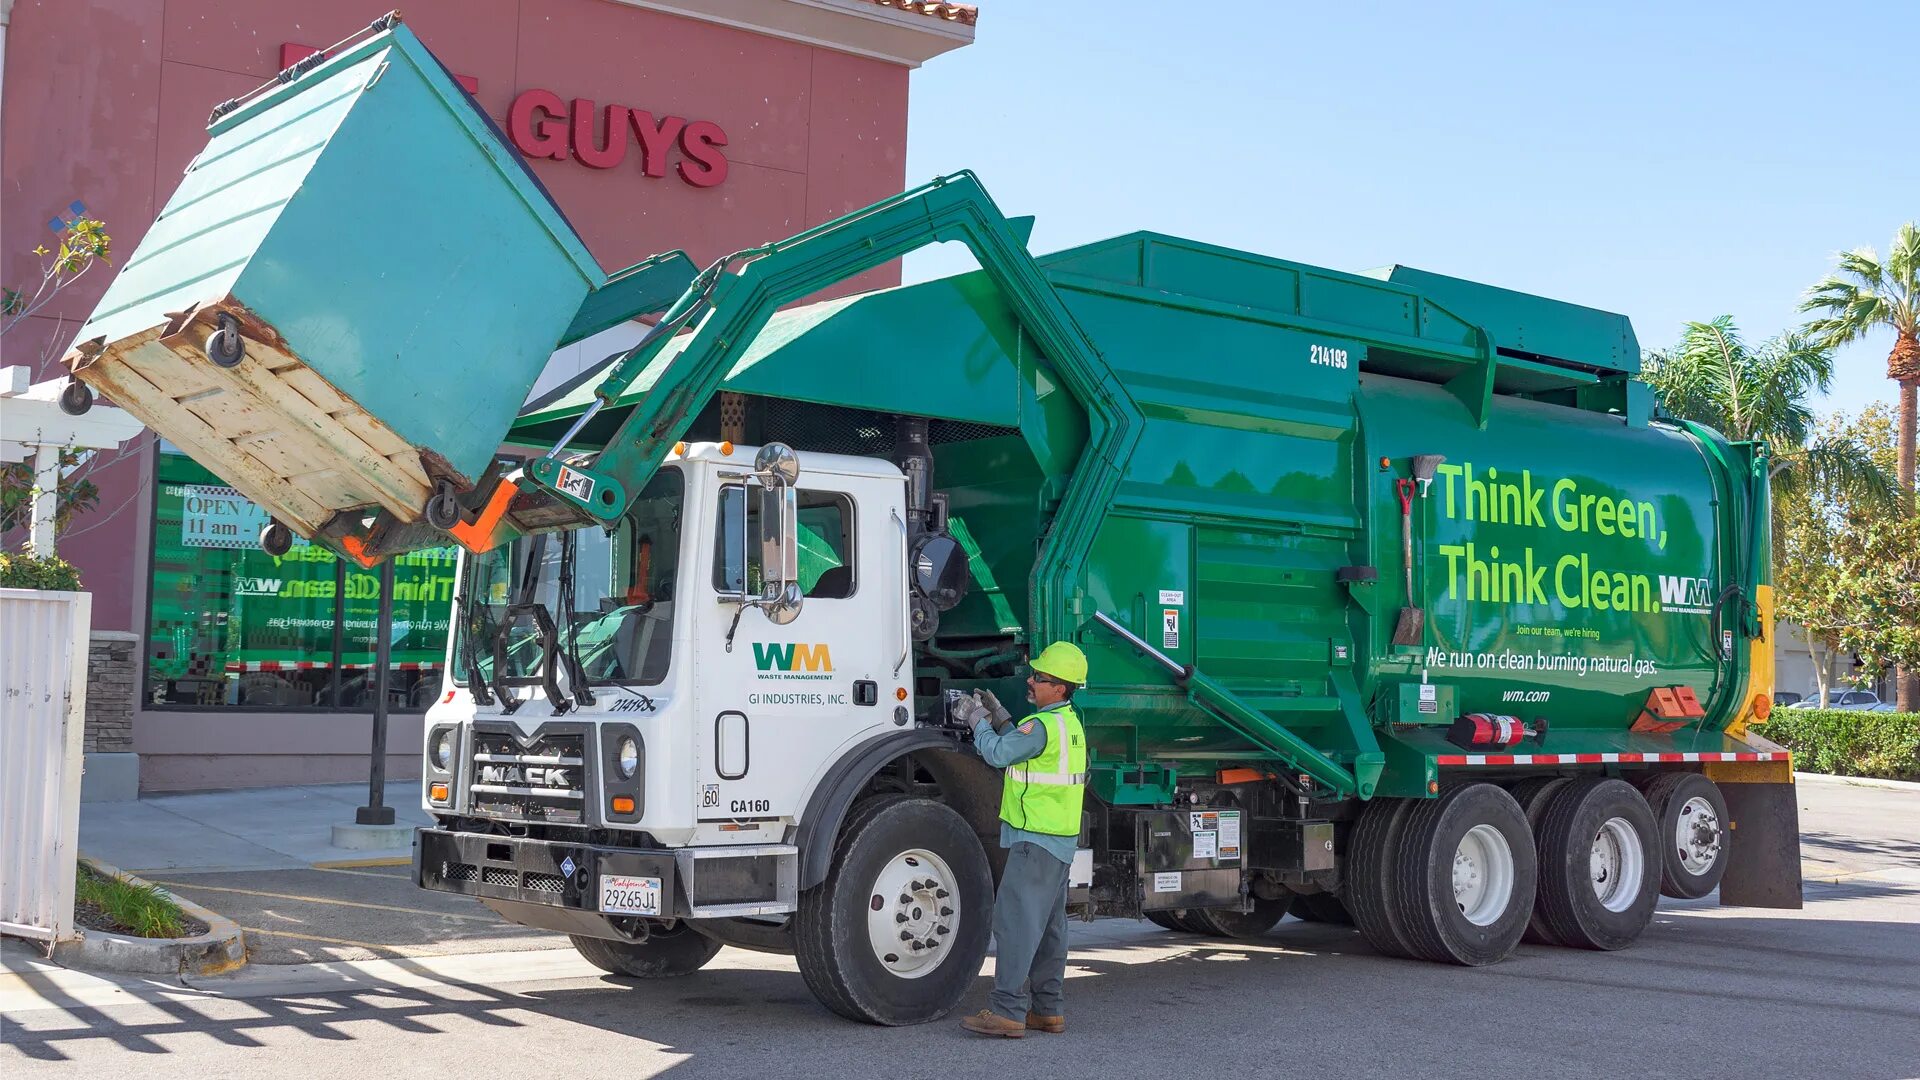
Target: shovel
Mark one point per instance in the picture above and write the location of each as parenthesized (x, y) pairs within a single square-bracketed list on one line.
[(1410, 627)]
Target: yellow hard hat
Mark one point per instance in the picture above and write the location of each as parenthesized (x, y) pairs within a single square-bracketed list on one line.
[(1064, 661)]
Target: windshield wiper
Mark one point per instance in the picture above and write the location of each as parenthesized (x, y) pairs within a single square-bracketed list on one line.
[(543, 623), (576, 671), (474, 613)]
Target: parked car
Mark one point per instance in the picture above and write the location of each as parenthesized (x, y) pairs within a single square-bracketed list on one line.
[(1858, 700), (1785, 698)]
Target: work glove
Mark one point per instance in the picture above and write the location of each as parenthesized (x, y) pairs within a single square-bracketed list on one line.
[(1001, 717), (968, 710)]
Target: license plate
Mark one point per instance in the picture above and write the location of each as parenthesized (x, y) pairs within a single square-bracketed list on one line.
[(623, 895)]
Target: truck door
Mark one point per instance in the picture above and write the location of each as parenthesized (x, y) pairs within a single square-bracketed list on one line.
[(777, 701)]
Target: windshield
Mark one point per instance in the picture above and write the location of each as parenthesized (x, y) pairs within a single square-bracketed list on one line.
[(616, 619)]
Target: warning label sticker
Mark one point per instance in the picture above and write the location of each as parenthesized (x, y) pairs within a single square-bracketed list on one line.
[(1229, 836), (1170, 628), (577, 485), (1167, 882), (1429, 698), (1205, 844)]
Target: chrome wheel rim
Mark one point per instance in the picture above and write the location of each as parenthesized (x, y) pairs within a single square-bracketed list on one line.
[(1617, 864), (1698, 834), (913, 911), (1483, 875)]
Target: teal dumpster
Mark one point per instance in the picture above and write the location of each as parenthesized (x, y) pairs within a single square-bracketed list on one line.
[(349, 295)]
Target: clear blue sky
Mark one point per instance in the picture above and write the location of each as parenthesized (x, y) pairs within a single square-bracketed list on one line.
[(1668, 161)]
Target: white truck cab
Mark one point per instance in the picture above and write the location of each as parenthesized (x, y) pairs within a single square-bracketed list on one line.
[(697, 728), (688, 711)]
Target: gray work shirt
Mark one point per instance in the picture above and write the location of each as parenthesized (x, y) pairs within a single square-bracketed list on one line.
[(1011, 748)]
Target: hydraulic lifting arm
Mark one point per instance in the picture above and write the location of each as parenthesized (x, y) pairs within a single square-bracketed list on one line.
[(729, 303)]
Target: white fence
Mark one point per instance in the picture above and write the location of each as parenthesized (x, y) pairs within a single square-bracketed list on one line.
[(43, 708)]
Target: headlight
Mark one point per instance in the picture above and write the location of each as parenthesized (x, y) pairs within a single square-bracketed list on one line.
[(443, 750), (629, 757)]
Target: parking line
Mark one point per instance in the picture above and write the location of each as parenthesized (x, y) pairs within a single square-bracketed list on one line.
[(358, 873), (355, 864), (325, 900), (328, 940)]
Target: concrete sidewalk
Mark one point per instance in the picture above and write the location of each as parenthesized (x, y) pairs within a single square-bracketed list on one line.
[(249, 829), (264, 857)]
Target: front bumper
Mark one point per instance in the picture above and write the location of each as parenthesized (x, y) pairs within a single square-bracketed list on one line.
[(695, 883)]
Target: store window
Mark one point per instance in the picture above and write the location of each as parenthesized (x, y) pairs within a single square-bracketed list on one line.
[(229, 626)]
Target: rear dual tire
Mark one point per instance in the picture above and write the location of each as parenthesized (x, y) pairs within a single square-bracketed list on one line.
[(1449, 879), (1690, 818), (1533, 795), (1227, 923), (1321, 907), (1599, 875)]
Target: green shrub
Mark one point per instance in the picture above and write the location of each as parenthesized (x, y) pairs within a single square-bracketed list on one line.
[(1849, 743), (139, 910), (31, 572)]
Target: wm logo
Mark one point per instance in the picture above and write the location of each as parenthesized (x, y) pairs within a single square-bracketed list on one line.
[(256, 586), (772, 656), (1685, 593)]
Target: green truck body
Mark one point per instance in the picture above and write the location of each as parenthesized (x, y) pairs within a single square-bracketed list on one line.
[(1569, 554)]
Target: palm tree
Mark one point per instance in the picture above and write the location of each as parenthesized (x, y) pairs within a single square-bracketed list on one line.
[(1864, 294), (1715, 378)]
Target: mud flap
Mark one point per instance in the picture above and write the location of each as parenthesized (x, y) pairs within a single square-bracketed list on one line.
[(1763, 868)]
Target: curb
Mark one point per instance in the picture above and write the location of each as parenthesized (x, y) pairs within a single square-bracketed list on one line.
[(220, 951), (1861, 781)]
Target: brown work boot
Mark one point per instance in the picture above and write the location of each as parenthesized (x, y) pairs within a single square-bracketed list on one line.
[(988, 1022), (1052, 1025)]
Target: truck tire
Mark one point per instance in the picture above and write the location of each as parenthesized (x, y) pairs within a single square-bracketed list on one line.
[(1320, 907), (1370, 876), (1690, 818), (1599, 864), (1533, 794), (1165, 920), (901, 866), (1466, 874), (665, 953), (1227, 923)]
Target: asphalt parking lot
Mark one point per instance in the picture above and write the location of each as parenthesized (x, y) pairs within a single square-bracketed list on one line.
[(361, 913), (1832, 990)]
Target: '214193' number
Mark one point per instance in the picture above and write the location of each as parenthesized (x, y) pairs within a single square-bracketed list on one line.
[(1327, 356)]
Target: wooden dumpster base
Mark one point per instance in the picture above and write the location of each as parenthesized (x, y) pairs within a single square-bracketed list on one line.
[(272, 427)]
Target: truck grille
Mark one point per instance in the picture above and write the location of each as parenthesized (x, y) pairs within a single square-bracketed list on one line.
[(539, 779)]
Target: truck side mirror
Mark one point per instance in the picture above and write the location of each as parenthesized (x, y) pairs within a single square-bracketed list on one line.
[(777, 468)]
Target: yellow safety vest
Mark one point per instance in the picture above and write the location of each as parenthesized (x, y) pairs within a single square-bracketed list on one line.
[(1043, 793)]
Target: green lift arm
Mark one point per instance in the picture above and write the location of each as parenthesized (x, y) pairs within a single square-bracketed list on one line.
[(1253, 725), (728, 303)]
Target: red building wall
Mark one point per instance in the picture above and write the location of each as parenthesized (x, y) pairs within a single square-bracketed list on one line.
[(106, 102)]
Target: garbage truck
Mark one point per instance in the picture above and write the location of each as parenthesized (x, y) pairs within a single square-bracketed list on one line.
[(1403, 604)]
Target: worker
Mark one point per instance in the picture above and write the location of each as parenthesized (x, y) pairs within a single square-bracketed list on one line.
[(1045, 758)]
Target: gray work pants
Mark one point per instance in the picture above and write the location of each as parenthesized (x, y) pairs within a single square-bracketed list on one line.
[(1030, 934)]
